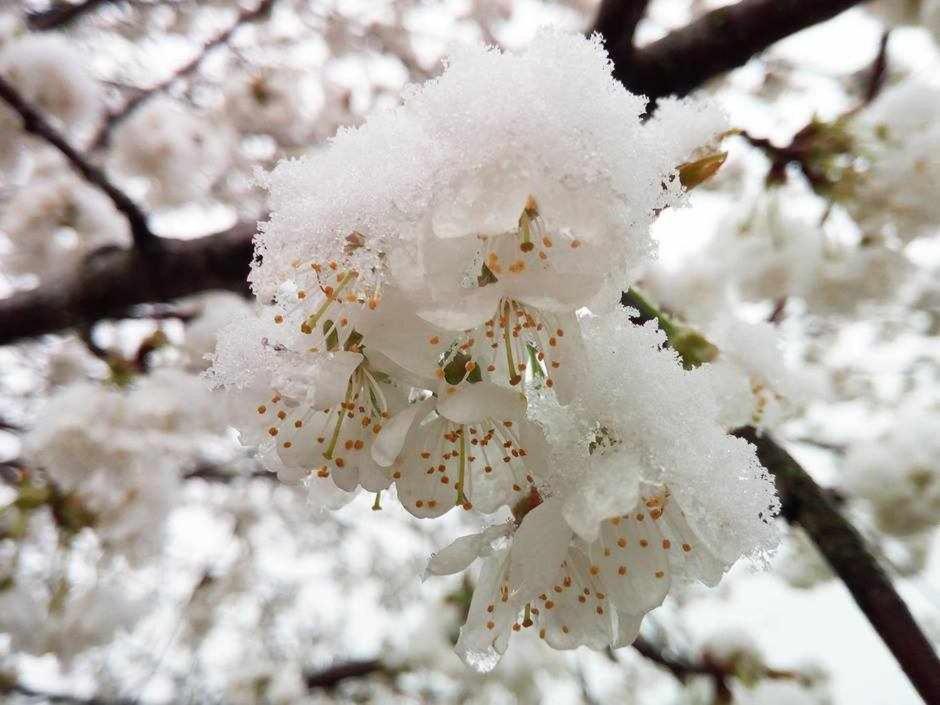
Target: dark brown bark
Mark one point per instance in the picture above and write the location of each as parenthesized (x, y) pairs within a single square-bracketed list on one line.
[(334, 675), (112, 280), (717, 42), (617, 21)]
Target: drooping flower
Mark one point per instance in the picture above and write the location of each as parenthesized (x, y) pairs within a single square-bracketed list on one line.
[(573, 592), (641, 487)]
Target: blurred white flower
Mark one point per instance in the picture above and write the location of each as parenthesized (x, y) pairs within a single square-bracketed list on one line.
[(180, 154), (898, 474), (55, 221)]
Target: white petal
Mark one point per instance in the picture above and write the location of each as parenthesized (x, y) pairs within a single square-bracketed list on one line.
[(329, 377), (410, 342), (372, 477), (455, 557), (391, 439), (468, 311), (485, 636), (628, 628), (473, 402), (538, 550)]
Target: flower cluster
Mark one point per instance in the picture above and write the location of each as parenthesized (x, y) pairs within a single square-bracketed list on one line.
[(438, 312)]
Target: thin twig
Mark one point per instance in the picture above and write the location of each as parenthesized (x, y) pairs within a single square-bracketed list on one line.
[(211, 473), (131, 104), (36, 124), (878, 71)]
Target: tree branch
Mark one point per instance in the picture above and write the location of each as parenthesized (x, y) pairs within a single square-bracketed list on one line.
[(806, 504), (29, 314), (617, 21), (62, 13), (112, 280), (716, 42), (334, 675), (116, 117), (35, 123)]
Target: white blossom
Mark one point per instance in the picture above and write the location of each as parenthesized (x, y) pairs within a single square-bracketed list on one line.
[(897, 473), (119, 454), (177, 152), (269, 102), (896, 136), (57, 220), (627, 502), (749, 380)]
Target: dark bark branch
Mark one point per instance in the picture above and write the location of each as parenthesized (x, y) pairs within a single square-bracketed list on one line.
[(112, 280), (211, 473), (718, 41), (334, 675), (36, 124), (116, 117), (806, 504), (617, 21), (62, 13)]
